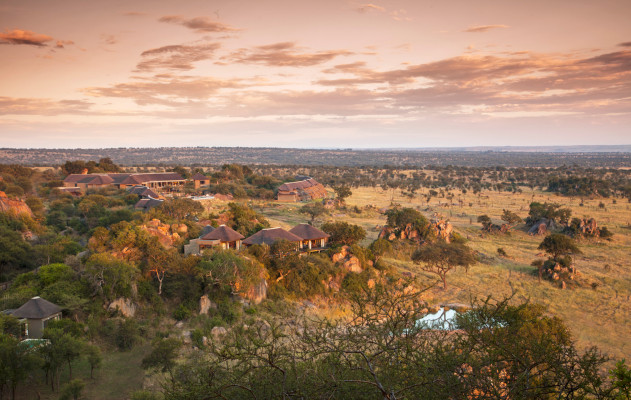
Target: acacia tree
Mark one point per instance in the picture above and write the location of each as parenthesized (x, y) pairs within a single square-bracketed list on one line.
[(558, 246), (314, 210), (510, 218), (344, 233), (498, 350), (342, 192), (439, 258)]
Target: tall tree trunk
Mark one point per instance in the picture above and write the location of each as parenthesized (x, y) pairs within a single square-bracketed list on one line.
[(70, 369)]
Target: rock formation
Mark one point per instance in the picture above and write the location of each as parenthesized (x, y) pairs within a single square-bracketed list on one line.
[(347, 260), (13, 206), (167, 234), (125, 306)]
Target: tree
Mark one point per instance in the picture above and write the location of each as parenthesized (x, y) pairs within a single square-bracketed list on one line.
[(486, 222), (163, 355), (72, 390), (17, 362), (558, 245), (381, 352), (343, 233), (439, 258), (510, 218), (342, 192), (314, 210), (94, 358), (379, 248), (181, 208)]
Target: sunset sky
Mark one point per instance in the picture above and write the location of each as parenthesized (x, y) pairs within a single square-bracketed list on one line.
[(326, 73)]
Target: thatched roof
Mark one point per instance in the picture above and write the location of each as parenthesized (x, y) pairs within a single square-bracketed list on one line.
[(206, 230), (308, 232), (223, 234), (37, 308), (199, 177), (271, 235)]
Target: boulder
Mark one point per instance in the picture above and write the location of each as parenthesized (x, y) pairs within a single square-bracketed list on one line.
[(125, 306), (13, 206), (205, 304), (257, 293), (217, 332)]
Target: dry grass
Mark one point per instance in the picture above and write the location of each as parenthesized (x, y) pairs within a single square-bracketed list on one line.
[(600, 317)]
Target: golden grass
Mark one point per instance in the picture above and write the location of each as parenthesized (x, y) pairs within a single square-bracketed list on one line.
[(600, 317)]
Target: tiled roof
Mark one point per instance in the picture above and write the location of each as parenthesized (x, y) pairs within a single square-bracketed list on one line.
[(199, 177), (271, 235), (308, 232), (291, 186)]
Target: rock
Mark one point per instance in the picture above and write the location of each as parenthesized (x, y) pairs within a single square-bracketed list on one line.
[(179, 324), (125, 306), (353, 264), (217, 332), (370, 283), (13, 206), (204, 340), (257, 293), (344, 252), (205, 304), (563, 285), (186, 337)]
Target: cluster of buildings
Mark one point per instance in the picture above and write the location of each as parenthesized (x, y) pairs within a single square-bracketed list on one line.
[(77, 184), (306, 238)]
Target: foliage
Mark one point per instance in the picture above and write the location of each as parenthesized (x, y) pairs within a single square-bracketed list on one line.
[(110, 276), (229, 270), (163, 355), (181, 208), (126, 334), (400, 218), (380, 248), (17, 362), (439, 258), (558, 245), (381, 352), (343, 233), (245, 220), (314, 210), (551, 211), (72, 390)]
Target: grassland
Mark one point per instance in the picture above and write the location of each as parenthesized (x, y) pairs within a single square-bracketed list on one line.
[(598, 313)]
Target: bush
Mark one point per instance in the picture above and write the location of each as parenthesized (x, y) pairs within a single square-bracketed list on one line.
[(181, 313), (126, 334)]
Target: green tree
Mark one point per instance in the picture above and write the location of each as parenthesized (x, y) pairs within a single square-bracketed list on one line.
[(343, 233), (379, 248), (72, 390), (94, 358), (439, 258), (510, 218), (314, 210), (163, 355), (181, 208), (621, 381), (558, 245), (342, 193), (17, 362)]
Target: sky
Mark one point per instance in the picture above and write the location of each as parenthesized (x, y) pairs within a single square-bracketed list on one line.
[(314, 74)]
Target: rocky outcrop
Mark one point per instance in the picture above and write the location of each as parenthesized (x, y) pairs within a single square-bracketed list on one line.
[(126, 307), (347, 260), (256, 293), (442, 229), (13, 206), (167, 234), (205, 305)]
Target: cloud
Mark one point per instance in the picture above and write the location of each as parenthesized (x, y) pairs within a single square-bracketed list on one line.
[(176, 57), (625, 44), (134, 14), (484, 28), (19, 36), (62, 43), (34, 106), (397, 15), (284, 54), (170, 92), (198, 24), (366, 7), (109, 39)]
